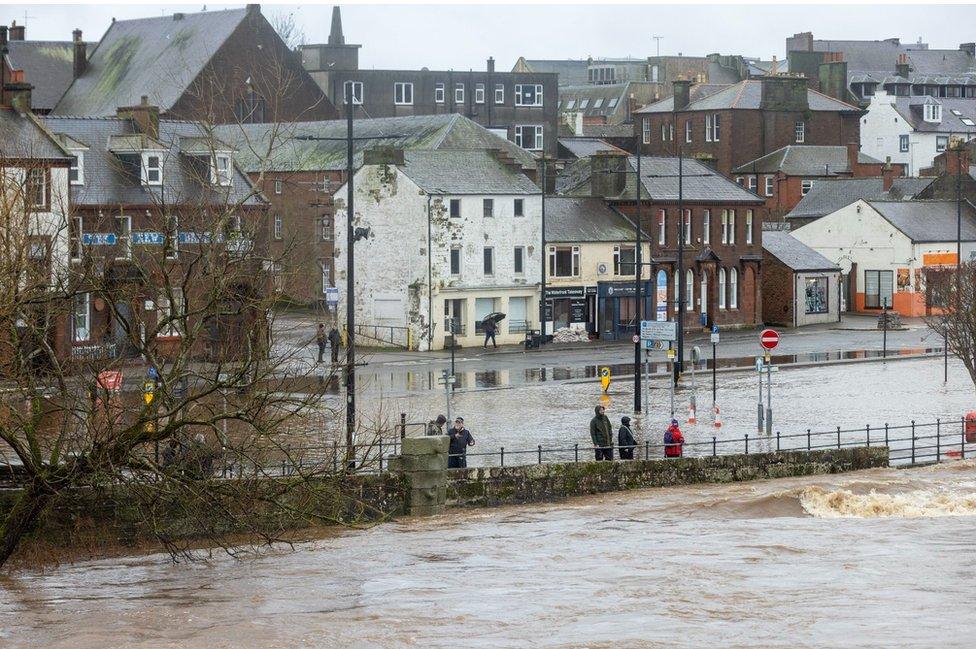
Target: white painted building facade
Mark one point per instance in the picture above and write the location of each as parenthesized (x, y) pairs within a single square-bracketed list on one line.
[(914, 130), (438, 251)]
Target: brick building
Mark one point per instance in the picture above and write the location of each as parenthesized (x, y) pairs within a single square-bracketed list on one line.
[(300, 178), (46, 65), (799, 285), (745, 121), (217, 66), (721, 227), (785, 176), (521, 106)]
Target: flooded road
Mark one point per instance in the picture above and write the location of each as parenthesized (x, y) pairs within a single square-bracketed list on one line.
[(878, 558)]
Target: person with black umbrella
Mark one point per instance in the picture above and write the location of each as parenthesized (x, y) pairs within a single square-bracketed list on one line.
[(490, 325)]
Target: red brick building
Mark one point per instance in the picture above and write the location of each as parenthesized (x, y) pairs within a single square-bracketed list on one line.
[(786, 175), (744, 121)]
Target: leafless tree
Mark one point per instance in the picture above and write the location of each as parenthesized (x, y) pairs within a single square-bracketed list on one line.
[(288, 28), (951, 302)]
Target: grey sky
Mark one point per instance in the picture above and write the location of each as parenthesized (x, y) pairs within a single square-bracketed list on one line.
[(462, 37)]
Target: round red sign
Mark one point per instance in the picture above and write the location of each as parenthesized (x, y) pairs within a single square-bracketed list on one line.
[(768, 338), (636, 339)]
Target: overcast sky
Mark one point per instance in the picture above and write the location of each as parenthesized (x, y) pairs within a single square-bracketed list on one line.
[(462, 37)]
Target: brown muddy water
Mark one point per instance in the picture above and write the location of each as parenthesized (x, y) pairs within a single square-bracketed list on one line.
[(880, 558)]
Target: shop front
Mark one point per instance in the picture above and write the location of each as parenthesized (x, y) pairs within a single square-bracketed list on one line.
[(618, 315), (571, 306)]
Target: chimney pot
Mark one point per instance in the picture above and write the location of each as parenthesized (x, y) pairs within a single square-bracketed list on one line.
[(887, 175), (16, 31)]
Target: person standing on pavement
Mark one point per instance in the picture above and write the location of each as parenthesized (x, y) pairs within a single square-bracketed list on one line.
[(625, 439), (436, 426), (491, 328), (334, 342), (461, 439), (601, 432), (321, 339), (673, 440)]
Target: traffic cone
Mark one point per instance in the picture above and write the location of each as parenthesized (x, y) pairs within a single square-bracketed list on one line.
[(718, 418), (691, 413)]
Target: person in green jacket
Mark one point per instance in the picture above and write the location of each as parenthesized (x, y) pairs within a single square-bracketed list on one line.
[(601, 432)]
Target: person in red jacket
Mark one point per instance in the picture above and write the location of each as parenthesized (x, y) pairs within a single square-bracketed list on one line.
[(673, 440)]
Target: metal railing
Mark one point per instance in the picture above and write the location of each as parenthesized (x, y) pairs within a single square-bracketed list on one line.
[(518, 326), (384, 334)]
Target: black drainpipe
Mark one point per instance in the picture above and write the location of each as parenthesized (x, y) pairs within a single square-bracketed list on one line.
[(430, 276)]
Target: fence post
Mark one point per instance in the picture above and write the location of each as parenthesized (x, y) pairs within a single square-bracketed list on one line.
[(714, 449), (540, 453), (777, 441), (938, 440), (913, 441), (403, 425), (886, 438), (647, 450), (381, 454), (867, 433), (808, 439), (747, 443), (335, 457), (576, 451), (503, 455), (838, 438), (962, 440)]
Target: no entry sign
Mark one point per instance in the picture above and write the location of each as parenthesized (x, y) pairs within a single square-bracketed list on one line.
[(768, 338)]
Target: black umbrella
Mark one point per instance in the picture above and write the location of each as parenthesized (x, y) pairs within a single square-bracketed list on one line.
[(495, 317)]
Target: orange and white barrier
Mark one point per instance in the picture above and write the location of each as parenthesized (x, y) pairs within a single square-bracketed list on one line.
[(718, 417), (691, 414)]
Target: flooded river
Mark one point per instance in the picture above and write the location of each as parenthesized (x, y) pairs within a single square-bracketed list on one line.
[(881, 558)]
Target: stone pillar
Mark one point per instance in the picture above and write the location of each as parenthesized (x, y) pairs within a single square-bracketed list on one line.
[(423, 464)]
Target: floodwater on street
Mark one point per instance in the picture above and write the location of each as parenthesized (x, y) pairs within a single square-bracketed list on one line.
[(556, 415), (880, 558)]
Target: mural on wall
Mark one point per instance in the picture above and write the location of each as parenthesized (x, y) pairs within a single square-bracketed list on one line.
[(816, 295), (904, 280)]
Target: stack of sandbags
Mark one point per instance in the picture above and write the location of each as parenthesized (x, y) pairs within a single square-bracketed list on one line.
[(567, 335)]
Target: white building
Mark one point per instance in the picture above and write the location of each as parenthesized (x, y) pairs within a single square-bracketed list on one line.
[(443, 235), (913, 130), (891, 251)]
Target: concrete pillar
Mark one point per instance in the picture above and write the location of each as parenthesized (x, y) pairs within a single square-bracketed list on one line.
[(423, 464)]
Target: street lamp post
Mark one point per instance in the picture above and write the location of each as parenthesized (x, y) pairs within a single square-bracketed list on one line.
[(544, 259), (638, 273), (679, 316)]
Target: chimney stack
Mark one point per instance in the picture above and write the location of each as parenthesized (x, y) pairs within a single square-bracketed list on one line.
[(80, 54), (3, 37), (957, 158), (901, 68), (887, 174), (786, 93), (607, 177), (491, 64), (16, 31), (145, 116), (852, 150), (682, 93), (968, 48)]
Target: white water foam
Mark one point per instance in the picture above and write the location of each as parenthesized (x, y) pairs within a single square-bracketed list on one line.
[(923, 503)]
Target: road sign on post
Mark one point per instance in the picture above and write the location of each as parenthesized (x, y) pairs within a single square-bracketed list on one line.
[(332, 295), (605, 378), (655, 330), (768, 338)]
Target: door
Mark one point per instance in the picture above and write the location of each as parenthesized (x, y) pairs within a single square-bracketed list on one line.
[(703, 299), (123, 329)]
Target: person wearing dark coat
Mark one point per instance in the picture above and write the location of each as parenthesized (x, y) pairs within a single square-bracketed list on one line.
[(321, 338), (491, 328), (461, 439), (601, 433), (334, 341), (625, 440)]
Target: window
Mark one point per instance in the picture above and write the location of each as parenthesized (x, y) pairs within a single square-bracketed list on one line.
[(800, 132), (805, 187), (518, 265), (941, 143), (152, 169), (733, 289), (325, 228), (721, 288), (357, 92), (277, 187), (489, 261), (75, 238), (878, 286), (455, 208), (479, 93), (749, 227), (768, 185), (712, 128), (664, 131), (903, 143), (570, 104), (529, 137), (221, 170), (689, 290), (488, 207), (933, 113), (624, 260), (688, 130), (277, 226), (815, 295), (967, 121), (76, 173), (458, 93), (646, 130), (402, 93), (439, 93), (731, 227), (123, 233), (455, 261), (81, 317), (249, 109), (598, 103), (527, 94), (725, 226), (499, 93), (325, 268), (519, 209), (753, 183), (612, 102), (654, 74), (706, 226), (662, 222), (169, 314), (36, 188), (564, 262), (687, 232)]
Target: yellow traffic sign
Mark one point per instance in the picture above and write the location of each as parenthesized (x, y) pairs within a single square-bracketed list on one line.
[(605, 378), (671, 354)]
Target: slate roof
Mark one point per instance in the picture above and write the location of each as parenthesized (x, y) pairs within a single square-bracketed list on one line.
[(928, 221), (107, 184), (830, 195), (880, 58), (273, 147), (805, 160), (24, 136), (584, 220), (911, 109), (793, 253), (570, 72), (747, 95), (623, 131), (582, 147), (158, 57), (659, 179), (696, 92), (47, 65), (464, 172)]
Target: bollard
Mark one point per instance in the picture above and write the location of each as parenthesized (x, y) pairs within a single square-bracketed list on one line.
[(540, 453), (576, 452), (938, 440), (867, 431), (647, 450), (777, 441), (886, 435), (913, 441), (502, 453), (403, 425), (808, 439), (381, 454), (838, 438), (714, 449), (747, 443)]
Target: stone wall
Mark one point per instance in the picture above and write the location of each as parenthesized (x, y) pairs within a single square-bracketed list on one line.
[(490, 486)]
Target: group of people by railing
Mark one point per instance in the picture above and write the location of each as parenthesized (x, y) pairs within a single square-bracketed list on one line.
[(460, 439), (601, 434)]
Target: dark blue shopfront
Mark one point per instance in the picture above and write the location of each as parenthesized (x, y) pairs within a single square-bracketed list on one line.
[(617, 307)]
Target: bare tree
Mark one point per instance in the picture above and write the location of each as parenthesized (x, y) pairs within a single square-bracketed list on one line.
[(951, 304), (288, 28)]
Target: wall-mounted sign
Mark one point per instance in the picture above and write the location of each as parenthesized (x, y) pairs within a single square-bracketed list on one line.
[(148, 238), (98, 238)]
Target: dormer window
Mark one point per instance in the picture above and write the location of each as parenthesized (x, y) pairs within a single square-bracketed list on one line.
[(221, 170), (152, 169), (76, 173), (932, 113)]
